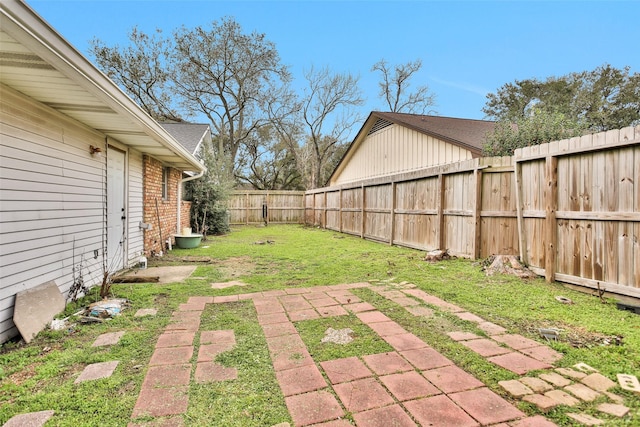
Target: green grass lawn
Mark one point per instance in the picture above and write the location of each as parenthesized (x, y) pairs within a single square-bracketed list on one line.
[(40, 375)]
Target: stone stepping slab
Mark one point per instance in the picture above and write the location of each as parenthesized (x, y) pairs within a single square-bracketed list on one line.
[(110, 338), (31, 419), (97, 371)]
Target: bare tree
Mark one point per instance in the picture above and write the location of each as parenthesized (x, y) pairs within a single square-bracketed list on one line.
[(328, 115), (394, 88)]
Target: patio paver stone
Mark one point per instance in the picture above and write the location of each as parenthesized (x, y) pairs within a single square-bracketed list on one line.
[(402, 342), (171, 355), (486, 406), (451, 379), (384, 417), (175, 339), (408, 385), (439, 411), (516, 341), (387, 363), (518, 363), (167, 376), (360, 395), (426, 358), (313, 407), (343, 370), (485, 347), (300, 380), (160, 402), (226, 336)]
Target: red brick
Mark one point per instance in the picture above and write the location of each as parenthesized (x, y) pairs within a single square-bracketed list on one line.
[(535, 421), (404, 342), (408, 385), (300, 380), (387, 363), (486, 406), (516, 341), (171, 356), (439, 411), (332, 311), (451, 379), (518, 363), (485, 347), (160, 402), (225, 336), (372, 317), (167, 376), (313, 407), (175, 339), (387, 328), (383, 417), (426, 358), (267, 319), (361, 395), (343, 370)]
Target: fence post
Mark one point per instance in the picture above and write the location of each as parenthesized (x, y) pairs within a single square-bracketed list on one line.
[(439, 209), (393, 212), (477, 207), (362, 212), (522, 238), (340, 210), (551, 206)]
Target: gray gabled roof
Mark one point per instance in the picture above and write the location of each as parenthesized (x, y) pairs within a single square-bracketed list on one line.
[(189, 135)]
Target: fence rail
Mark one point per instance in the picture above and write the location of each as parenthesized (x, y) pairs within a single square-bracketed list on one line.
[(570, 208)]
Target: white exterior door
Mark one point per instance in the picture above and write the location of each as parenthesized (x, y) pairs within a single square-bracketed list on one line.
[(116, 210)]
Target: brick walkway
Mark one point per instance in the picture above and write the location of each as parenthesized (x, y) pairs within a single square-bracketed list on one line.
[(412, 385)]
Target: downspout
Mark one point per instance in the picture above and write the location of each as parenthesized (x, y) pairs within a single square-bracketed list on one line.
[(182, 181)]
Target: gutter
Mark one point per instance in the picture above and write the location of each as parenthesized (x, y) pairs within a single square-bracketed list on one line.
[(179, 198)]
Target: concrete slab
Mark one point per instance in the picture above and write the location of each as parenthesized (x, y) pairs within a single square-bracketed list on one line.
[(32, 419), (313, 407), (97, 371), (35, 308)]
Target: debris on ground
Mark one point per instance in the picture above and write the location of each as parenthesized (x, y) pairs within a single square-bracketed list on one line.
[(438, 255), (106, 309), (550, 333), (507, 264), (564, 300), (197, 259), (338, 336), (260, 242), (58, 324), (135, 279)]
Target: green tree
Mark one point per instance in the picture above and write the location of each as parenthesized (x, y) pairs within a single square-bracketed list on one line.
[(219, 72), (394, 88), (539, 127), (603, 99)]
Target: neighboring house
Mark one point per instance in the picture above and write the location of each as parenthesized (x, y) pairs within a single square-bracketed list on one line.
[(164, 208), (73, 149), (390, 143)]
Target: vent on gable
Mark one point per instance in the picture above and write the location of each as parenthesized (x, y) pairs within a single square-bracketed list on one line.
[(379, 125)]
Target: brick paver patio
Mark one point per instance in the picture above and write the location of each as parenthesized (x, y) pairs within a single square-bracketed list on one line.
[(412, 385)]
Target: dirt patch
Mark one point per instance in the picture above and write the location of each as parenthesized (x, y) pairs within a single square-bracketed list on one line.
[(236, 267), (574, 335), (28, 372)]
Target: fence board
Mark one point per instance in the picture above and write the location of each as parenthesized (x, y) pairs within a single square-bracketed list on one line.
[(245, 207)]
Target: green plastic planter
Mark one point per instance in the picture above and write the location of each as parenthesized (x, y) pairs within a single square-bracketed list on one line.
[(188, 242)]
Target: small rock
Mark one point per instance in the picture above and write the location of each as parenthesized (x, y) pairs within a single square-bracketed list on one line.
[(564, 300)]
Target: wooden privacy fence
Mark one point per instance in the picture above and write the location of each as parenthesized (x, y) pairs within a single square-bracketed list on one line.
[(254, 206), (579, 210), (467, 207), (570, 209)]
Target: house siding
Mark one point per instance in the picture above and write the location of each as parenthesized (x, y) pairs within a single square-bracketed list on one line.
[(161, 213), (397, 149), (52, 201)]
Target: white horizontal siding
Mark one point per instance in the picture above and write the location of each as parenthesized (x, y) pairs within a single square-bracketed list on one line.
[(51, 201), (397, 149), (134, 205)]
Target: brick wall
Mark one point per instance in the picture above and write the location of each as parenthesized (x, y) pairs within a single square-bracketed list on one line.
[(185, 215), (167, 209)]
